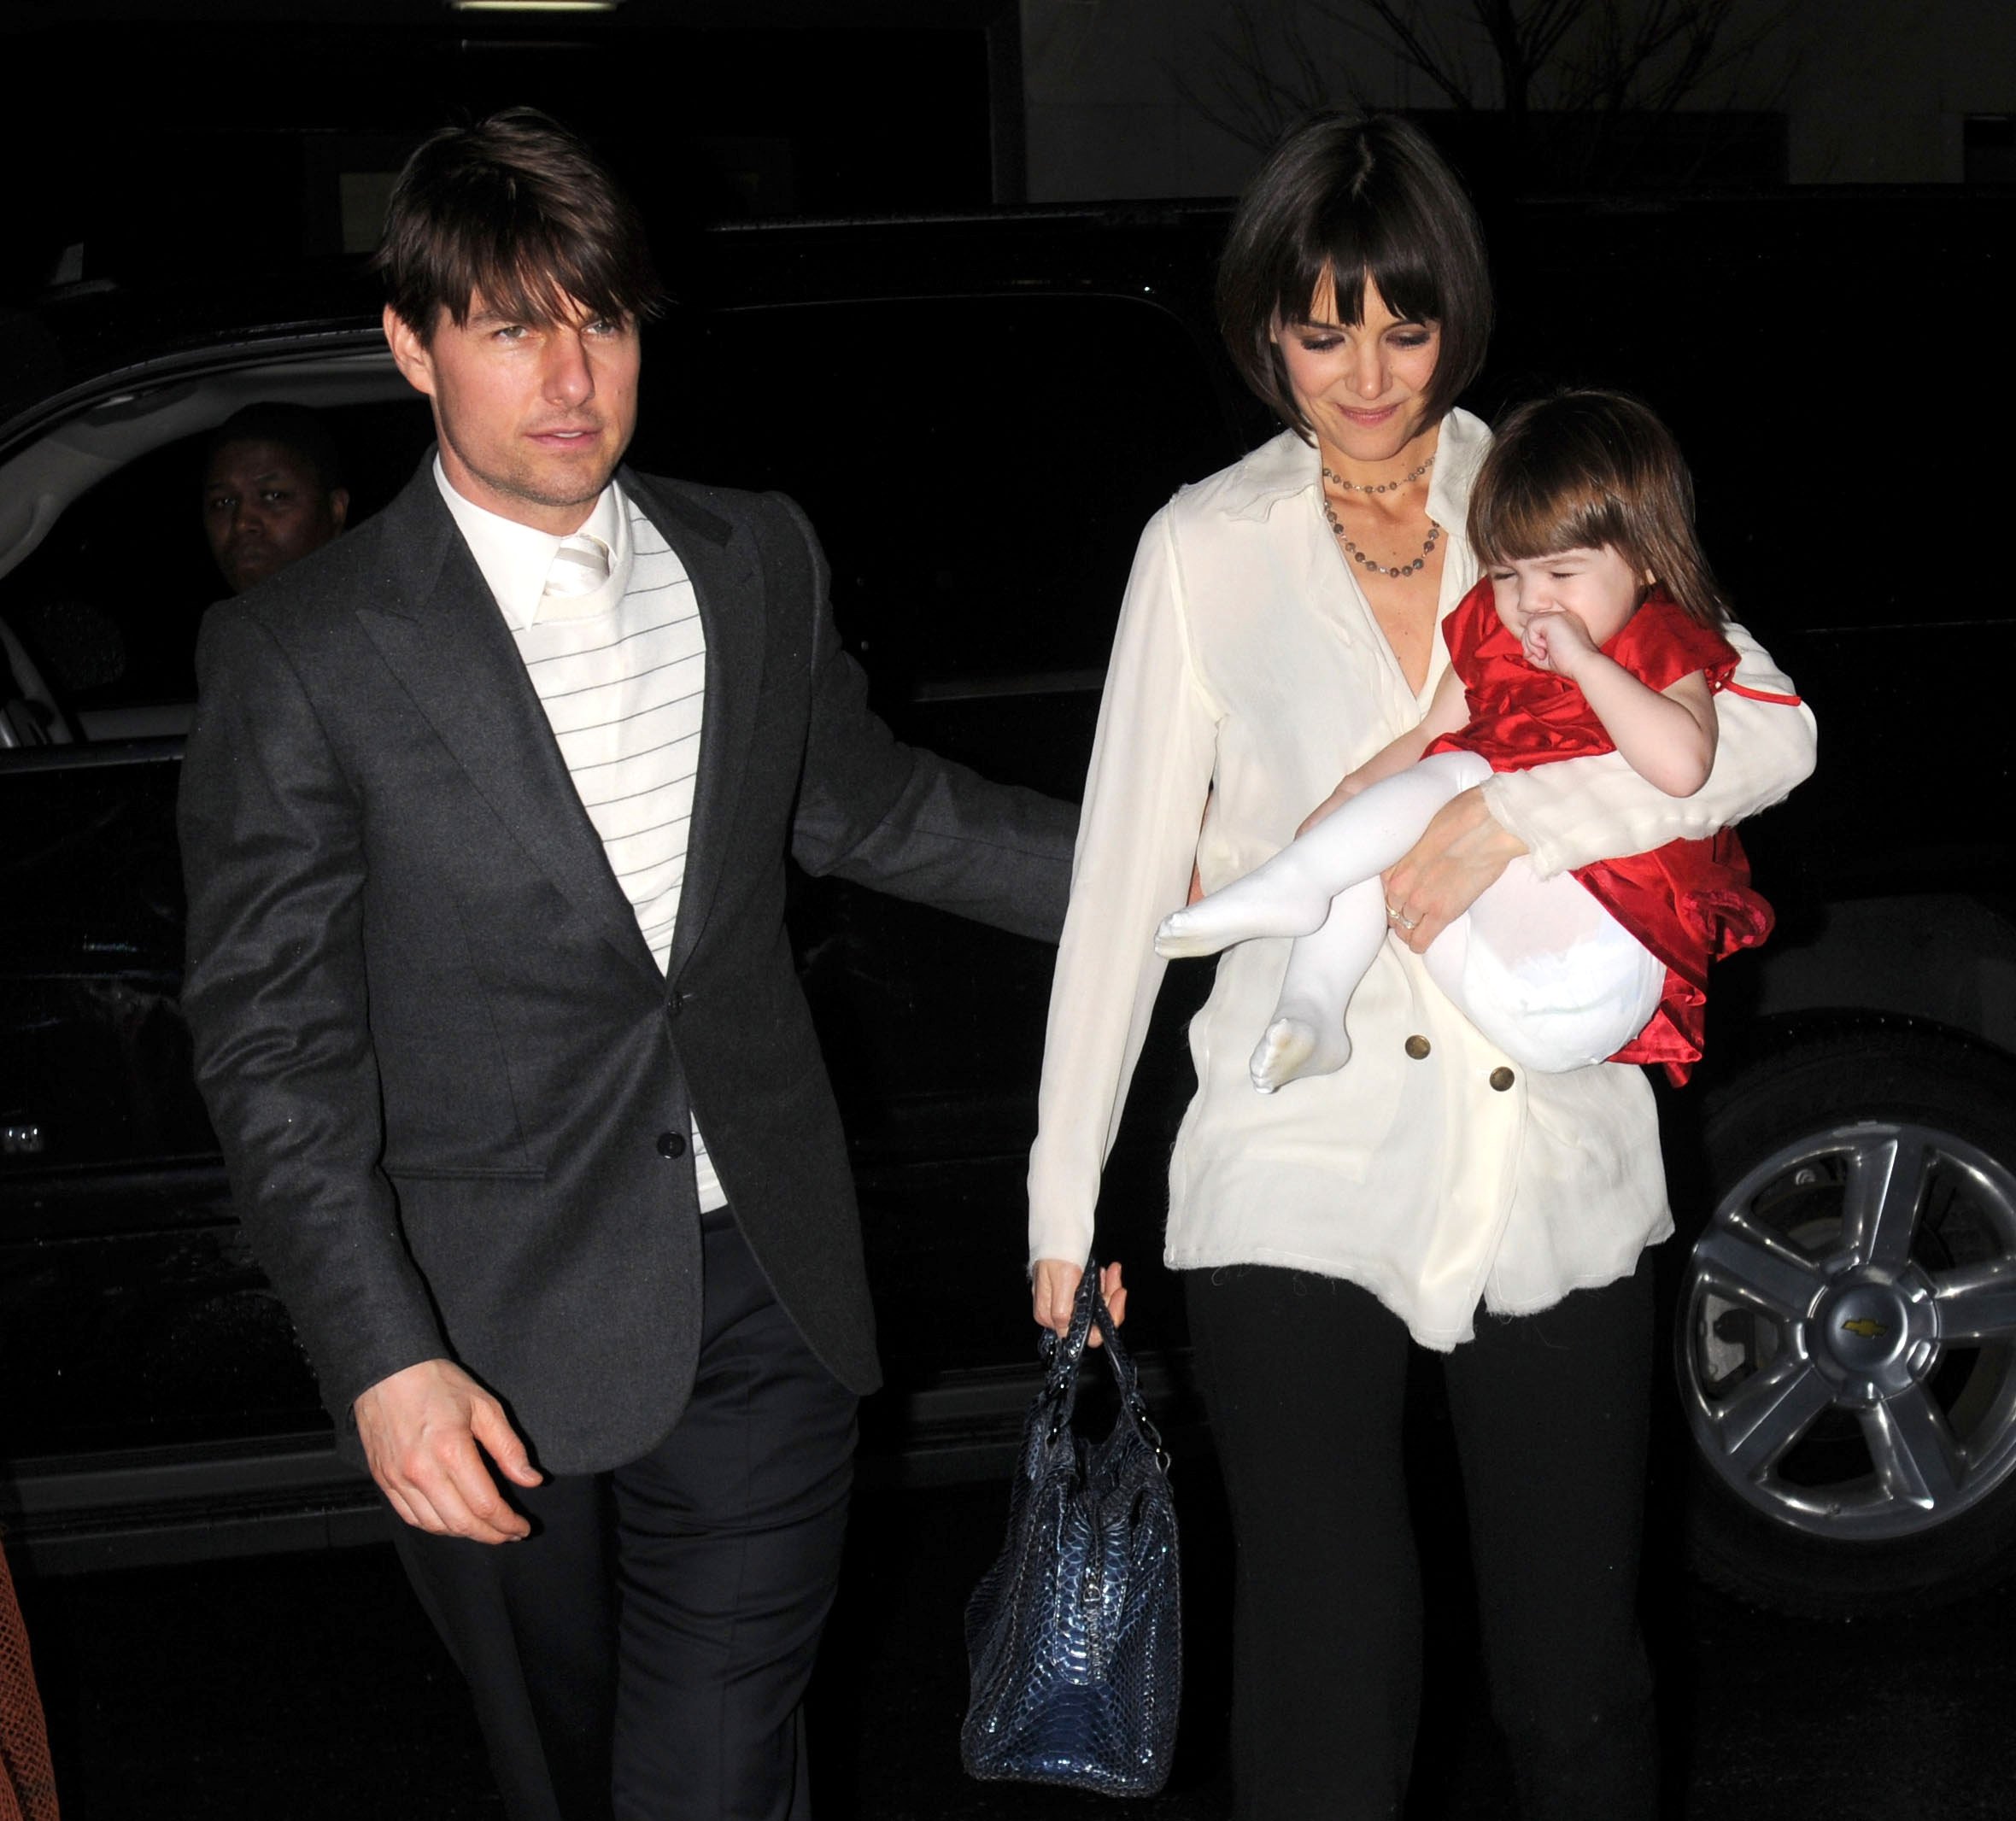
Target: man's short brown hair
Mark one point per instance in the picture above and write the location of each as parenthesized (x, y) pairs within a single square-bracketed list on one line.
[(516, 211)]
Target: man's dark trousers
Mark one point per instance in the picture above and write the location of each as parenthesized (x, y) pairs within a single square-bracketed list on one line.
[(701, 1574)]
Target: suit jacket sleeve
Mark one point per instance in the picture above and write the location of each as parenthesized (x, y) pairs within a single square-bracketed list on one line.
[(275, 1001), (873, 810)]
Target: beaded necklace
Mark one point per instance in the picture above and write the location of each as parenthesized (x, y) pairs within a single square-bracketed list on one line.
[(1344, 537)]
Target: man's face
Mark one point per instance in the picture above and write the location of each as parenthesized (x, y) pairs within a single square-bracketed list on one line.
[(533, 418), (264, 507)]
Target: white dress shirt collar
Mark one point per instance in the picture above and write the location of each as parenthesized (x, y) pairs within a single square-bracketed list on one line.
[(1287, 467), (515, 558)]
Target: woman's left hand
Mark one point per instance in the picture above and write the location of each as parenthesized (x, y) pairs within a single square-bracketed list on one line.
[(1054, 1287), (1460, 854)]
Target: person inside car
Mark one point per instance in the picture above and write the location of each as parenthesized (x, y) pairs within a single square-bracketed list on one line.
[(273, 491)]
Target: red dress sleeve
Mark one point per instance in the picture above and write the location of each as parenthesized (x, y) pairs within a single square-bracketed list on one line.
[(1660, 645)]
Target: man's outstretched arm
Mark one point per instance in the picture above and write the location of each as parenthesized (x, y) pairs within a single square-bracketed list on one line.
[(909, 822)]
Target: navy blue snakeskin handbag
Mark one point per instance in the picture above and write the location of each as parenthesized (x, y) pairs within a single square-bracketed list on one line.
[(1073, 1637)]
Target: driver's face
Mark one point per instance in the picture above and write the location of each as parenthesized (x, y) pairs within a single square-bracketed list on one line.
[(264, 507)]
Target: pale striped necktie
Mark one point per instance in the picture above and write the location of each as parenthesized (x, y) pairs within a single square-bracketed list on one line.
[(580, 567)]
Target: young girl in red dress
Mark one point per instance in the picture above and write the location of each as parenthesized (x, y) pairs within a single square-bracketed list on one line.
[(1594, 629)]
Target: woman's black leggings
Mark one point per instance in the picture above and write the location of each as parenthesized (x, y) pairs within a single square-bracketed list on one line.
[(1304, 1378)]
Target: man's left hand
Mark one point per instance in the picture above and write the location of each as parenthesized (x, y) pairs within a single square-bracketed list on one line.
[(1460, 854)]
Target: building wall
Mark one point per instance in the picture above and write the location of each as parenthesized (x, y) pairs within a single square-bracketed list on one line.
[(1873, 91)]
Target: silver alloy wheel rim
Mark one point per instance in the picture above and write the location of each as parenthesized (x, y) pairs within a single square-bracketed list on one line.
[(1859, 1280)]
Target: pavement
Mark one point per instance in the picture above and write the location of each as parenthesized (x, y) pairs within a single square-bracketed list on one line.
[(308, 1688)]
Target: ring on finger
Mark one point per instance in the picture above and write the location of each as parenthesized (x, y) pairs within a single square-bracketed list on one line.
[(1404, 921)]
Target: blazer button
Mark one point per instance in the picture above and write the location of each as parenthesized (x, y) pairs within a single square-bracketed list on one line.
[(670, 1144), (675, 1003), (1501, 1079), (1418, 1047)]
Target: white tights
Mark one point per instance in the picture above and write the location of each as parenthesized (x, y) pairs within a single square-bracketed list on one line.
[(1537, 965)]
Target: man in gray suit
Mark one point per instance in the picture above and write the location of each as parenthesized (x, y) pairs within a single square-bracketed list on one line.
[(486, 817)]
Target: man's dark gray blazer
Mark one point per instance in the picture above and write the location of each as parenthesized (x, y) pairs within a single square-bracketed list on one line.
[(452, 1085)]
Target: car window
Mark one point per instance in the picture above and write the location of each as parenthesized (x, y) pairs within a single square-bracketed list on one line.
[(108, 604), (95, 1068)]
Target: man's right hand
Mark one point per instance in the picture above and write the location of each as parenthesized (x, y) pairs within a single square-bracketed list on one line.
[(420, 1428)]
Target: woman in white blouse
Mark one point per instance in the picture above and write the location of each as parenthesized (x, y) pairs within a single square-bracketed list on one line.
[(1282, 624)]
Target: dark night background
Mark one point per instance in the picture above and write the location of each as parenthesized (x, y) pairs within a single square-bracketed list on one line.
[(201, 143)]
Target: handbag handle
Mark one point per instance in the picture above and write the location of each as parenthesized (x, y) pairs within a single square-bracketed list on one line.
[(1088, 1311)]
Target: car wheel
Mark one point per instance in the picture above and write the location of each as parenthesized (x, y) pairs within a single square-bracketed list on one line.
[(1846, 1327)]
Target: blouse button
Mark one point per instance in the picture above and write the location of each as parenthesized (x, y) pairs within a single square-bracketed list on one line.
[(1501, 1079), (1417, 1047)]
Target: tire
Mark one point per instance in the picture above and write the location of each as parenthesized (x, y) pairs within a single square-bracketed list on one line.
[(1845, 1327)]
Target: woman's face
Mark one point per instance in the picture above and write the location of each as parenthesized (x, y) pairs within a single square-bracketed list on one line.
[(1361, 385)]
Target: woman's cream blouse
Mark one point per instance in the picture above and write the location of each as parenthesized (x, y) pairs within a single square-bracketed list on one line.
[(1248, 667)]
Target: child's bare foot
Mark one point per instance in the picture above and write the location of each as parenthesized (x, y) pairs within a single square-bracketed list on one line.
[(1295, 1046)]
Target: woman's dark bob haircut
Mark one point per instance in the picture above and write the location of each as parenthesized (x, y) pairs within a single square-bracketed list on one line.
[(1592, 471), (1344, 200), (516, 211)]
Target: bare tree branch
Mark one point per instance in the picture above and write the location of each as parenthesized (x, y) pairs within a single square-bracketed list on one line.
[(1711, 59), (1254, 104), (1526, 44), (1576, 68), (1409, 30)]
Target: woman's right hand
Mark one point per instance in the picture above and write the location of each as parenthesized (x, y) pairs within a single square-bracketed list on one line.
[(1054, 1287)]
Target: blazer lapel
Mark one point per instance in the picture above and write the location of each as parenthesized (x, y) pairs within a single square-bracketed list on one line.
[(729, 590), (440, 631)]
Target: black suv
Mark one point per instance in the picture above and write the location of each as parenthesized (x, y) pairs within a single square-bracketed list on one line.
[(978, 425), (979, 414)]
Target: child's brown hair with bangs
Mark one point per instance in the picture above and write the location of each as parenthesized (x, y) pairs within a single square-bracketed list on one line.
[(1588, 470)]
